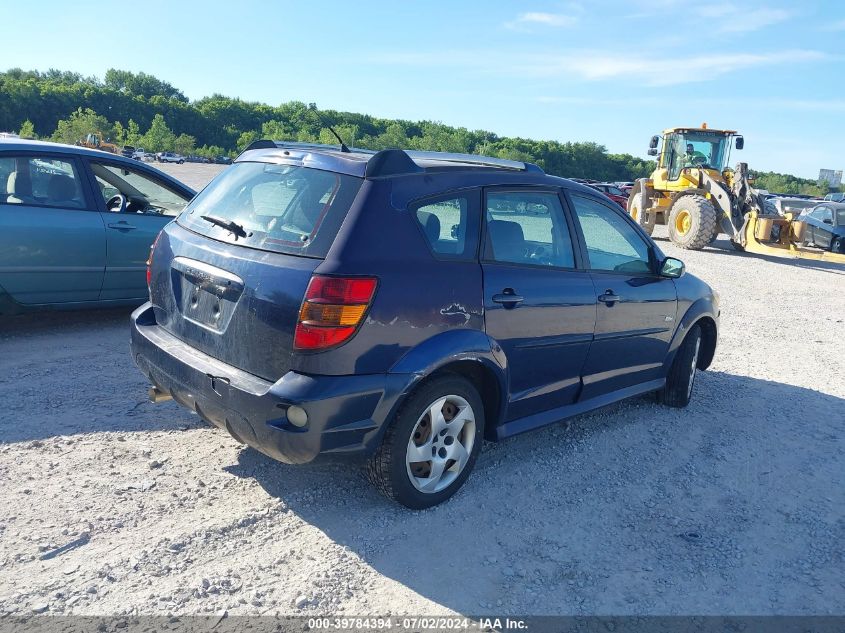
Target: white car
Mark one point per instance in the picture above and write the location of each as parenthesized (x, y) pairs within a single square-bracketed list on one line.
[(139, 153), (170, 157)]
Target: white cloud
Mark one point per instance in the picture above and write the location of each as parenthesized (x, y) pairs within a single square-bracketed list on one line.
[(716, 10), (525, 20), (600, 65), (726, 17), (739, 20), (660, 71), (839, 25), (775, 103)]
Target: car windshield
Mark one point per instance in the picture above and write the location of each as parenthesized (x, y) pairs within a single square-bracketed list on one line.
[(282, 208)]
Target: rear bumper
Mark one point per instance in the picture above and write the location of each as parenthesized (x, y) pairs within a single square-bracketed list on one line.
[(346, 414)]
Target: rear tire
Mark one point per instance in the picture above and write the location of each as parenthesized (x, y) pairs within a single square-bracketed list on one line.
[(636, 206), (692, 221), (450, 441), (681, 379), (837, 246)]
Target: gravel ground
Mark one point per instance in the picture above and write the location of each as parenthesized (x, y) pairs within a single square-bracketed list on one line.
[(112, 505)]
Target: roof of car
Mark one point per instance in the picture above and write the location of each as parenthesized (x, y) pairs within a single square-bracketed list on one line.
[(19, 144), (28, 145), (371, 164)]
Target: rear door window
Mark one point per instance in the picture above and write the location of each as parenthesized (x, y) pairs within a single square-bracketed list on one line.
[(527, 227), (275, 207), (41, 181)]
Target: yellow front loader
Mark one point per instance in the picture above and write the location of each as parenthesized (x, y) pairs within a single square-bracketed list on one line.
[(95, 141), (697, 196)]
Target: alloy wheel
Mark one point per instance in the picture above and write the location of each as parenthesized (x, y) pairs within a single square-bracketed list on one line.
[(440, 444)]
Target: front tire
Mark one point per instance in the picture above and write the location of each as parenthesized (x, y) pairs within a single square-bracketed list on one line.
[(681, 379), (692, 222), (431, 445)]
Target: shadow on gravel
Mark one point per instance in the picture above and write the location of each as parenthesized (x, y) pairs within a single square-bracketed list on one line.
[(718, 508), (68, 373), (64, 321)]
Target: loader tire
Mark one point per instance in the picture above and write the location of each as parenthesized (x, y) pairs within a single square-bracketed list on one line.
[(692, 222), (636, 206), (716, 230)]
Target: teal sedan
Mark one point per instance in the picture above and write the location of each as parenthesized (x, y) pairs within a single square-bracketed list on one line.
[(76, 225)]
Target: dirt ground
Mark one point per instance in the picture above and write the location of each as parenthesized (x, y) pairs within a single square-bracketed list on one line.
[(113, 505)]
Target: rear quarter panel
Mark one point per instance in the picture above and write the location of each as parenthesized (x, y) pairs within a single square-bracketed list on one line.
[(418, 297)]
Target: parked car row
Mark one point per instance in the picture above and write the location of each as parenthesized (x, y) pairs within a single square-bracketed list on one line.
[(172, 157), (613, 192), (282, 313)]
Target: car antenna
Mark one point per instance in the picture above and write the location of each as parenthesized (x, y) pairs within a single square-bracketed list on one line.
[(343, 147)]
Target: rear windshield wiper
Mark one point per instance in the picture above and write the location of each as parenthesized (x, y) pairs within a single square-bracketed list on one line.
[(230, 225)]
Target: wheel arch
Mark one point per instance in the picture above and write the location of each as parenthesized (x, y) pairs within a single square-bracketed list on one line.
[(700, 313), (467, 353), (484, 379), (709, 337)]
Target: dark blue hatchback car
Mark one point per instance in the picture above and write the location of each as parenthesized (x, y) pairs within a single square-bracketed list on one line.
[(401, 307)]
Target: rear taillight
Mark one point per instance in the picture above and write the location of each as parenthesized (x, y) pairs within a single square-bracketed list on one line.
[(150, 261), (332, 310)]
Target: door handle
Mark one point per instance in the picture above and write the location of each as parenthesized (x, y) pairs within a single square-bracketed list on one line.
[(122, 226), (508, 298), (609, 297)]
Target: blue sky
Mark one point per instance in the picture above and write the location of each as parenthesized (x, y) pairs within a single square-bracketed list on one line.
[(613, 72)]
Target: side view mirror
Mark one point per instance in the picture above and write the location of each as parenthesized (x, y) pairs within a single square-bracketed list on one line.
[(671, 267), (828, 221), (652, 151), (654, 141), (740, 142)]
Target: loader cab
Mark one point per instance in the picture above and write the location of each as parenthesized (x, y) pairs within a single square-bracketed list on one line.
[(695, 148)]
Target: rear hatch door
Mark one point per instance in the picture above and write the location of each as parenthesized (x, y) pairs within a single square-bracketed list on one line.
[(229, 276)]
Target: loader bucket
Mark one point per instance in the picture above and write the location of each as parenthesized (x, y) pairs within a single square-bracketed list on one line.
[(779, 236)]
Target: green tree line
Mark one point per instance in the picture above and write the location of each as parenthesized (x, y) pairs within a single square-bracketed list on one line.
[(144, 111), (785, 183)]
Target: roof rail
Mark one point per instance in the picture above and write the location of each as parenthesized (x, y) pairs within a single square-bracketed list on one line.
[(474, 159), (269, 144), (390, 162)]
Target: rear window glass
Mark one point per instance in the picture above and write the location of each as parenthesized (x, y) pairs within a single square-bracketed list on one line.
[(281, 208)]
